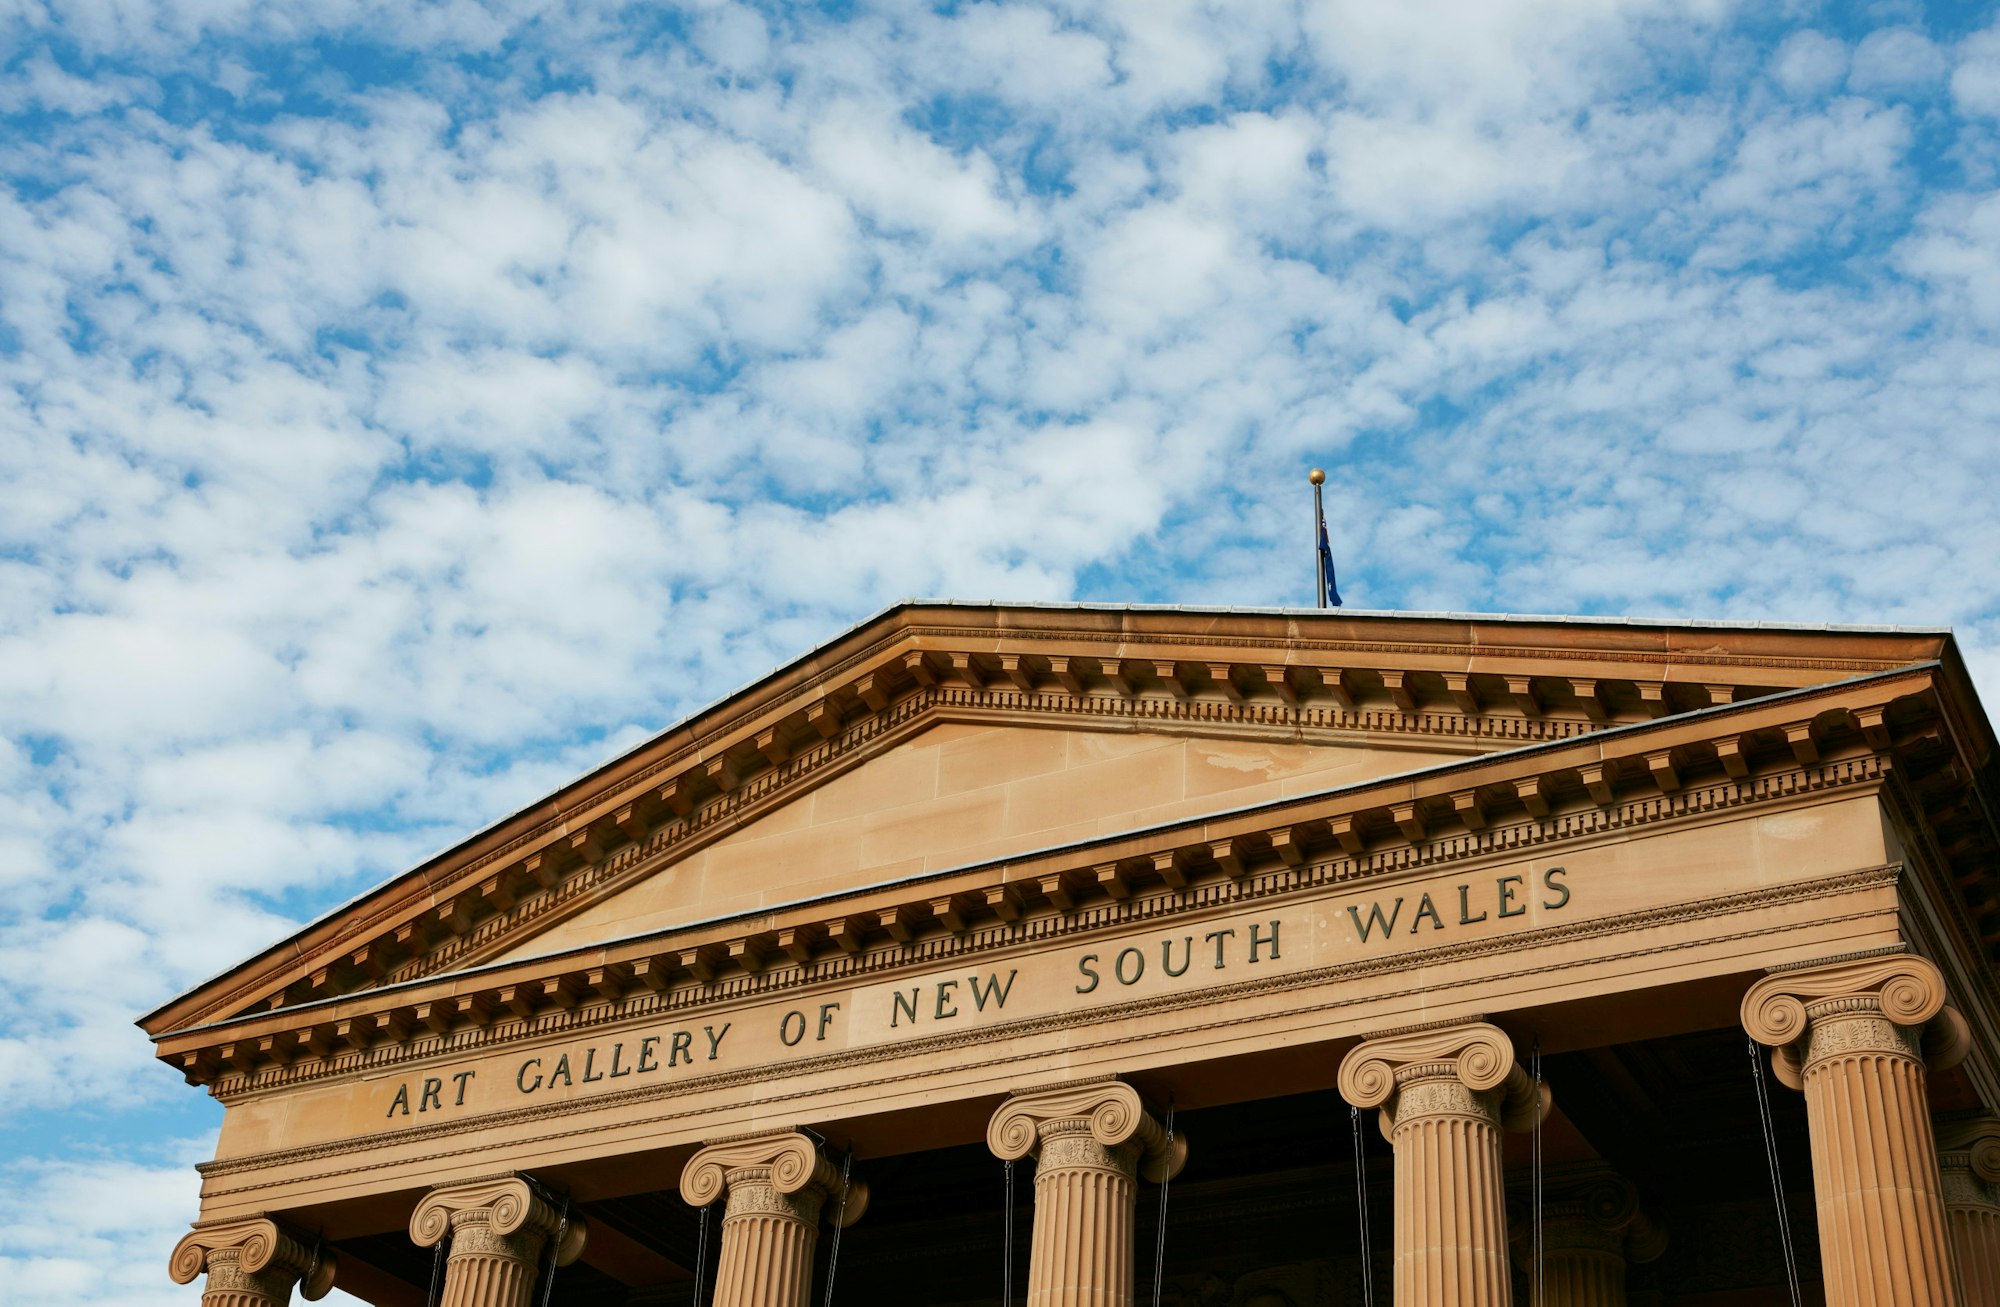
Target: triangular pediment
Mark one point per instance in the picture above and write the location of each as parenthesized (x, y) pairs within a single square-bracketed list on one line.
[(963, 793), (937, 736)]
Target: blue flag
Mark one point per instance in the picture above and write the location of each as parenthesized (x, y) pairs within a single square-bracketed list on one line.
[(1326, 566)]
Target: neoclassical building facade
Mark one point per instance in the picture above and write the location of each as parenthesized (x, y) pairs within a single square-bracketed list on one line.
[(1077, 955)]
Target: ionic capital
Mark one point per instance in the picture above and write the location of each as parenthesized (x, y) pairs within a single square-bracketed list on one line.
[(1968, 1146), (504, 1205), (258, 1247), (1587, 1207), (790, 1162), (1110, 1110), (1471, 1067), (1973, 1138), (1893, 1004)]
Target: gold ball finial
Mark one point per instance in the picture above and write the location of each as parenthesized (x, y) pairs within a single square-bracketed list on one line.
[(1317, 477)]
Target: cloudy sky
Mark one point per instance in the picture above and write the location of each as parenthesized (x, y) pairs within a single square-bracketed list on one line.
[(405, 406)]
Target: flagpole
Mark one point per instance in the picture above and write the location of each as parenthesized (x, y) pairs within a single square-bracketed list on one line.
[(1318, 478)]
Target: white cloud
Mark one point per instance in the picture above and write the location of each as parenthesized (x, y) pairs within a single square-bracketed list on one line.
[(1809, 63), (373, 459), (1895, 59), (1975, 82)]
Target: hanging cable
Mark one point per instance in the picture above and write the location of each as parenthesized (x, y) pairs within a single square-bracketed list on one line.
[(1777, 1177), (1535, 1289), (437, 1272), (1361, 1206), (1007, 1265), (701, 1257), (555, 1251), (839, 1224), (1160, 1233)]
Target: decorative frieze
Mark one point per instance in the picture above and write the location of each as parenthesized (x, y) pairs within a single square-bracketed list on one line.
[(674, 977)]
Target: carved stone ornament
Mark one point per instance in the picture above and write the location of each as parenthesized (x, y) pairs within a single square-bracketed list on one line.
[(1586, 1209), (1886, 1004), (1969, 1165), (1477, 1055), (508, 1204), (790, 1162), (1114, 1114), (258, 1248), (1972, 1140)]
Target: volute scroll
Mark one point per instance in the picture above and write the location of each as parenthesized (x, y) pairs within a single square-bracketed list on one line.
[(1904, 989), (1113, 1110), (257, 1244), (791, 1161), (1478, 1054), (511, 1203), (1978, 1137)]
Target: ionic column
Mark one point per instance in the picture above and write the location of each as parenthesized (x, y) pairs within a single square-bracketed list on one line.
[(1852, 1036), (1445, 1096), (498, 1229), (251, 1263), (1969, 1167), (1592, 1229), (778, 1186), (1091, 1142)]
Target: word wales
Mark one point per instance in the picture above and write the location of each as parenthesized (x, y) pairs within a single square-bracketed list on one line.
[(1083, 976)]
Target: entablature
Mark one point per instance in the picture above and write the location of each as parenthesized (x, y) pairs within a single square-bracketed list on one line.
[(1784, 749), (1388, 682)]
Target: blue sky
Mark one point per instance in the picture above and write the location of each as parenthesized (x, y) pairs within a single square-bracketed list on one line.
[(403, 407)]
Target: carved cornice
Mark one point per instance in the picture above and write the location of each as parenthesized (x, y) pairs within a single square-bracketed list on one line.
[(789, 1161), (506, 1204), (1115, 1115), (397, 1026), (997, 1042), (254, 1247), (1237, 673)]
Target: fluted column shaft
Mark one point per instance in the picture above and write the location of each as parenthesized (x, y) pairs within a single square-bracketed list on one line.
[(767, 1243), (1592, 1229), (1085, 1196), (1445, 1093), (1451, 1217), (252, 1263), (1091, 1143), (778, 1186), (229, 1285), (1850, 1035), (1969, 1167), (498, 1229), (486, 1268), (1583, 1263)]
